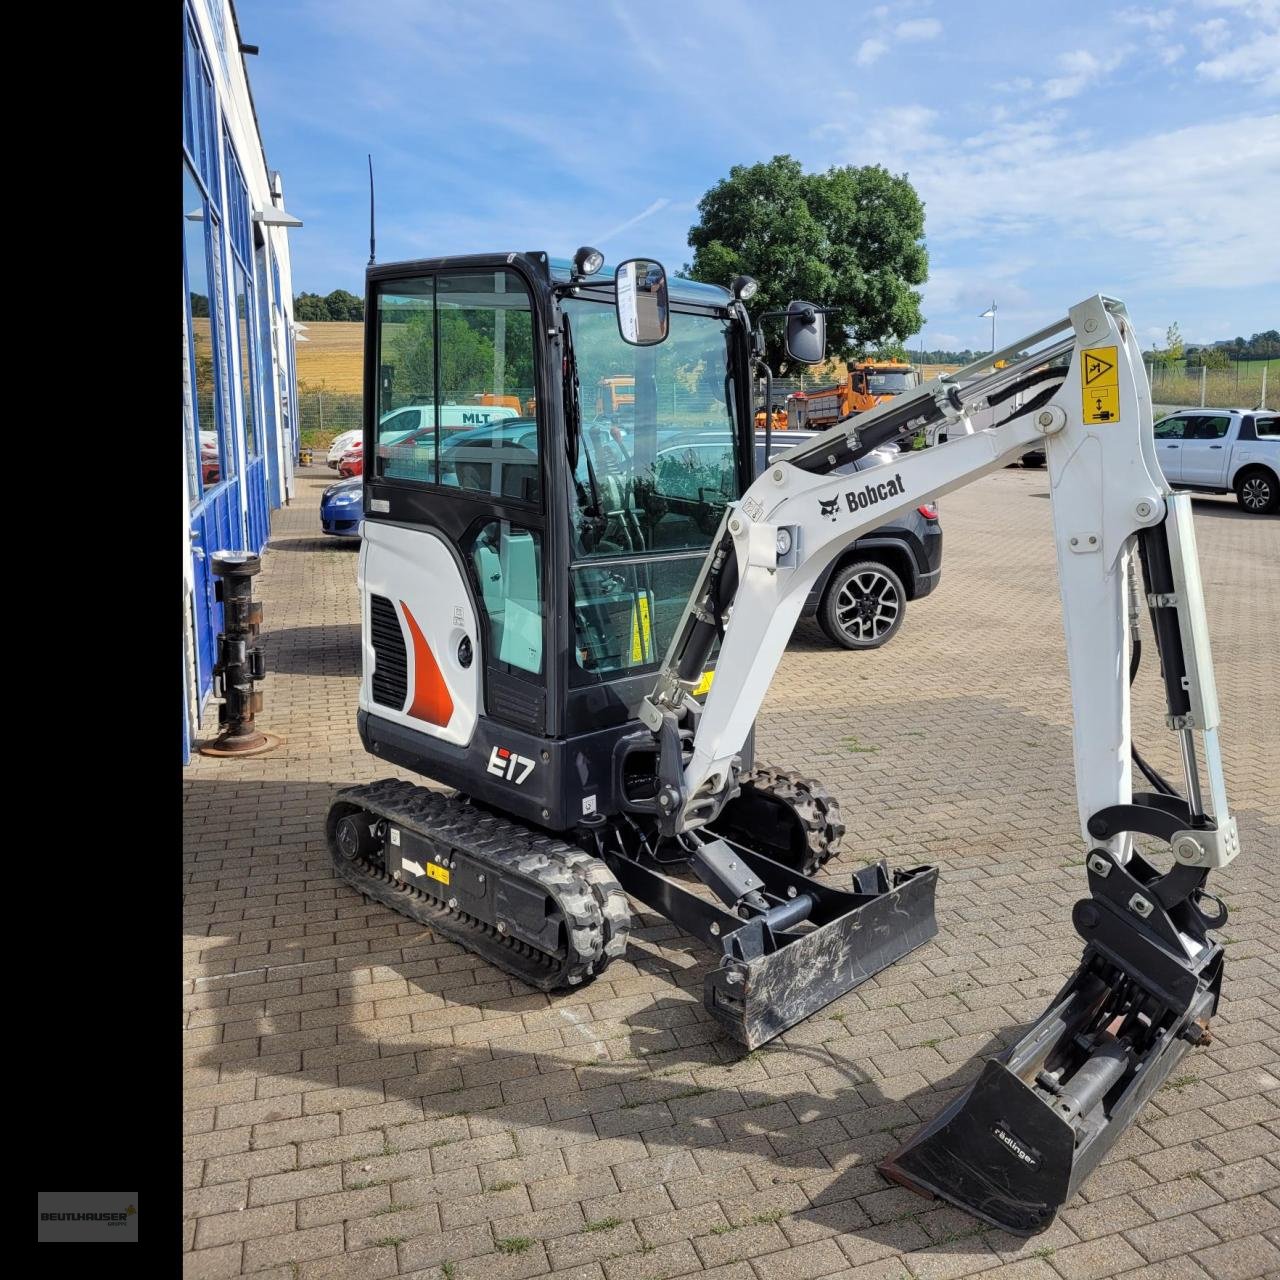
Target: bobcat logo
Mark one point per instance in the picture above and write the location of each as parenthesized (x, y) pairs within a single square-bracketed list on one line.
[(829, 506)]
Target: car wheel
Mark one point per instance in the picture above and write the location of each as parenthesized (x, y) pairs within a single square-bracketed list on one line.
[(863, 606), (1033, 462), (1257, 491)]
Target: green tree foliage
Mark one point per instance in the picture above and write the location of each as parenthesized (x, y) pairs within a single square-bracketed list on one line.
[(849, 238), (308, 307), (338, 305), (342, 305), (467, 340)]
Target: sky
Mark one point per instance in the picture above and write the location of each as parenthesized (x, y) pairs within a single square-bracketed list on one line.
[(1061, 150)]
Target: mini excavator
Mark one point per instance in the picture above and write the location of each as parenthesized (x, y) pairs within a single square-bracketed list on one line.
[(571, 618)]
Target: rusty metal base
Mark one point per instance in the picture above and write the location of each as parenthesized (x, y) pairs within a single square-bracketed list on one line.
[(254, 744)]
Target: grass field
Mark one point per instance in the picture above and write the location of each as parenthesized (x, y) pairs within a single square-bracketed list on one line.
[(331, 358)]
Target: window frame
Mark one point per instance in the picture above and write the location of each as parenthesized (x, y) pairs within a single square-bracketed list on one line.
[(1173, 417), (372, 309)]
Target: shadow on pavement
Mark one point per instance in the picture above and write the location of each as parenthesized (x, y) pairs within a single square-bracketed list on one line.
[(651, 1066), (329, 650)]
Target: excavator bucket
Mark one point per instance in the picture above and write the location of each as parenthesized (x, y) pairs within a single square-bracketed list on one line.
[(1015, 1146)]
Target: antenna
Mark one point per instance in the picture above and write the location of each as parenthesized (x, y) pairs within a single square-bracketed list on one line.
[(371, 249)]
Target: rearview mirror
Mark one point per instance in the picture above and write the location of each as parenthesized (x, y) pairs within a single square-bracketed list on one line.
[(806, 333), (641, 302)]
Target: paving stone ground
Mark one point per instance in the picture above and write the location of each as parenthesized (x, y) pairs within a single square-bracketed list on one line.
[(365, 1100)]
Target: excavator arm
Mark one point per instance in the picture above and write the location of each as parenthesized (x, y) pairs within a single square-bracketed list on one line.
[(1014, 1147)]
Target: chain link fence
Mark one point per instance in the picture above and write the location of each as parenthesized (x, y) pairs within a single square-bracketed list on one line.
[(325, 414), (1243, 385)]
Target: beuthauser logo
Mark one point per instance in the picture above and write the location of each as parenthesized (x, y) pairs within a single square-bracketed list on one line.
[(867, 496), (113, 1218)]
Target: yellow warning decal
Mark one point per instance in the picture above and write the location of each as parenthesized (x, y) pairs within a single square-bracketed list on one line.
[(1100, 384), (641, 631), (437, 872), (704, 685)]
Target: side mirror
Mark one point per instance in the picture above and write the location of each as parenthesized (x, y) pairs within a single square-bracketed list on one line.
[(641, 302), (806, 333)]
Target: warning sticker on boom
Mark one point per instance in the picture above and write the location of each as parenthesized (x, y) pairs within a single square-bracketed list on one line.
[(1100, 385)]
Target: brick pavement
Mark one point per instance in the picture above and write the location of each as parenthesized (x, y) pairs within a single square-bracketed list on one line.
[(364, 1100)]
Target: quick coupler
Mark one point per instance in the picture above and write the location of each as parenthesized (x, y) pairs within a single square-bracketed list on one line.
[(1017, 1145)]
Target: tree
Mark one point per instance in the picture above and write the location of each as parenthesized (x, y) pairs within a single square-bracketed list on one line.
[(342, 305), (309, 307), (850, 238), (1174, 349)]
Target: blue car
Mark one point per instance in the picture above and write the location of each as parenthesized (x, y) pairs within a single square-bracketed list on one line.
[(342, 508)]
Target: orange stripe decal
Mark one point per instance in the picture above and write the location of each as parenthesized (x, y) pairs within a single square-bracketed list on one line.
[(431, 700)]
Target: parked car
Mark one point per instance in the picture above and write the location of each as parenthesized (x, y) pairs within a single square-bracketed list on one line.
[(861, 599), (1223, 451), (352, 462), (210, 465), (341, 444), (342, 508)]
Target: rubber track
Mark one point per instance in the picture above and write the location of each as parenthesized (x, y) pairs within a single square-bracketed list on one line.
[(595, 910), (816, 809)]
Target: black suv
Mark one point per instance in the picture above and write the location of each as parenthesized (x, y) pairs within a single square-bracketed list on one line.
[(861, 598)]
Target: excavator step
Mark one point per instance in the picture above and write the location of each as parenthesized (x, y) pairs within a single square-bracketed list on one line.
[(535, 906)]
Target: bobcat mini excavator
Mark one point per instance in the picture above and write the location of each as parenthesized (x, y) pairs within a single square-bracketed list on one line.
[(520, 581)]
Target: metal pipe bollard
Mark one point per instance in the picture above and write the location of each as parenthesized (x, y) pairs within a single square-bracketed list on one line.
[(240, 663)]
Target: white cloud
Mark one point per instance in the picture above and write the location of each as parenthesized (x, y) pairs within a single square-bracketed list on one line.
[(1214, 34), (1151, 19), (656, 207), (1115, 199), (1080, 69), (1255, 62), (869, 50), (918, 29), (1169, 53), (886, 33)]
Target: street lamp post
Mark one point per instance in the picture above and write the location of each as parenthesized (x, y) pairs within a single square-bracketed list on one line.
[(991, 311)]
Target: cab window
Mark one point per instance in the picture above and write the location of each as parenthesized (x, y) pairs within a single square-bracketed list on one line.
[(456, 384), (1170, 429)]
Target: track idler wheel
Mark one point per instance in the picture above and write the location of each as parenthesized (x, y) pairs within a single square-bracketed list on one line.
[(352, 831), (786, 817)]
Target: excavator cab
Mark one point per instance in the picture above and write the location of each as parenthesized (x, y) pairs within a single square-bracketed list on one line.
[(554, 550)]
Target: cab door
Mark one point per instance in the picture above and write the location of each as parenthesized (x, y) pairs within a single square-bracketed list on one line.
[(453, 576), (1169, 433), (1205, 450)]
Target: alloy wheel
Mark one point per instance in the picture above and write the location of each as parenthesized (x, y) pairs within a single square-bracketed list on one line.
[(867, 606), (1255, 493)]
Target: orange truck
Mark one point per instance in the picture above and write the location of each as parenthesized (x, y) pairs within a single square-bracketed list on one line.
[(614, 392), (869, 383)]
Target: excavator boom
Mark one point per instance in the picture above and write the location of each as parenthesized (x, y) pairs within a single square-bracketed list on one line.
[(1014, 1147)]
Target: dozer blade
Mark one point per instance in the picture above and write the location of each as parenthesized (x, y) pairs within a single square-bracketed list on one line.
[(758, 998), (1015, 1146), (779, 967)]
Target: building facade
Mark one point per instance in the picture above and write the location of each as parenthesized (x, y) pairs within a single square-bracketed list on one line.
[(239, 386)]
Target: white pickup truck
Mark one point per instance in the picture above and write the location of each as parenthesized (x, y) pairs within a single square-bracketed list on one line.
[(1223, 451)]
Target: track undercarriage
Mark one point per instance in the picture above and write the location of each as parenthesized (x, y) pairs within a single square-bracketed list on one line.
[(555, 915)]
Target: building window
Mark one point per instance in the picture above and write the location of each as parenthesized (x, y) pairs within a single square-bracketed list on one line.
[(248, 378), (200, 431)]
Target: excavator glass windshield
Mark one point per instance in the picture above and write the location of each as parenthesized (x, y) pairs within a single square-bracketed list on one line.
[(657, 464)]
